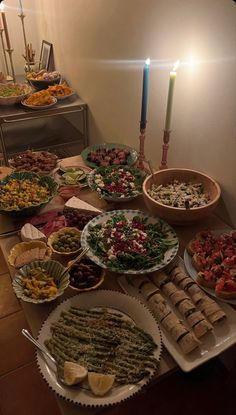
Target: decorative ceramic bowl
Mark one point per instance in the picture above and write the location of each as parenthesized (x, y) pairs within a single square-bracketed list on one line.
[(54, 237), (131, 159), (54, 268), (44, 83), (14, 99), (101, 276), (101, 243), (21, 247), (46, 181), (176, 215), (117, 183), (35, 161)]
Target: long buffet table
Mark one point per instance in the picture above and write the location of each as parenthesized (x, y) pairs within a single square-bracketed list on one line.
[(36, 314)]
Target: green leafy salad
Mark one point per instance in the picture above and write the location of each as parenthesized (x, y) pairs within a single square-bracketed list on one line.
[(125, 244), (117, 181)]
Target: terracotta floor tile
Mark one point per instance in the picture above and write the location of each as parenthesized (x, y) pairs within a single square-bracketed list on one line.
[(3, 265), (202, 391), (15, 350), (24, 392), (8, 301)]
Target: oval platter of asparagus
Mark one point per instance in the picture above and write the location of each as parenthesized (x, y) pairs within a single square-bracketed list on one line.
[(109, 334)]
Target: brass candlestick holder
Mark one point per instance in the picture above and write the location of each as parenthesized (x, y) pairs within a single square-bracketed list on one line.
[(141, 157), (165, 147), (4, 51), (22, 16), (10, 51)]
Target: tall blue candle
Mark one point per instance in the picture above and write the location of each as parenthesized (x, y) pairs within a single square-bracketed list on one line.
[(143, 121)]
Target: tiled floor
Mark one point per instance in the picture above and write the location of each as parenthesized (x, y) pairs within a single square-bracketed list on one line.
[(22, 389), (210, 389)]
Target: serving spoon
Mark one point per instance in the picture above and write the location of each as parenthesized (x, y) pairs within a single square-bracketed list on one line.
[(40, 347), (78, 258)]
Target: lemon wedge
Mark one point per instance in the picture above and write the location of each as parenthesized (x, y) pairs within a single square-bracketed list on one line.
[(74, 373), (99, 383)]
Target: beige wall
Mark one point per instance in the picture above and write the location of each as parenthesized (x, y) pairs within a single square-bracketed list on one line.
[(99, 46), (16, 33)]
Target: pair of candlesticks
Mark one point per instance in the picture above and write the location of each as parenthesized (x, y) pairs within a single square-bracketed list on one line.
[(29, 53), (142, 159)]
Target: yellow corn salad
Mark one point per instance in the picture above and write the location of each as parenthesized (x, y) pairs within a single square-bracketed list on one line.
[(19, 194)]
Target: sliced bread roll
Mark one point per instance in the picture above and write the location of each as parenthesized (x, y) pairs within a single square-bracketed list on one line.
[(188, 343), (160, 279), (169, 289), (178, 331), (178, 296), (201, 328), (170, 322), (147, 289), (195, 318), (186, 283), (155, 299), (194, 289), (186, 307), (138, 280)]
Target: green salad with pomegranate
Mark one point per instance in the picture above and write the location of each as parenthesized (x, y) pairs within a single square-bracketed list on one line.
[(124, 244), (117, 182)]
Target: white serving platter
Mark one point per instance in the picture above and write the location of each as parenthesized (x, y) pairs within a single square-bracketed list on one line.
[(193, 273), (222, 337), (116, 301)]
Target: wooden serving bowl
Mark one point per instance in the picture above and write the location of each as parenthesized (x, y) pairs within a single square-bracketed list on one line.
[(175, 215)]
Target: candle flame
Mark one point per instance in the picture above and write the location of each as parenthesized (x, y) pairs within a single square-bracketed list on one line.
[(2, 5), (148, 61), (176, 65)]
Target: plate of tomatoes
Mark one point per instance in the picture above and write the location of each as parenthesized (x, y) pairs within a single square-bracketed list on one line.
[(210, 259)]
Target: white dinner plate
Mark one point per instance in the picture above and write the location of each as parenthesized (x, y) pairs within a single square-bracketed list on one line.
[(193, 273), (116, 301), (61, 98)]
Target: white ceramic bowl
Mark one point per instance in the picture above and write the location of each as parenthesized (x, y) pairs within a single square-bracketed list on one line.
[(11, 100)]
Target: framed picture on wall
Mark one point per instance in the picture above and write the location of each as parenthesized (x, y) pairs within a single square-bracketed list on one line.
[(45, 54)]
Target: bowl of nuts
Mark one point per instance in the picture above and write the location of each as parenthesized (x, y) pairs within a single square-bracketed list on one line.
[(85, 275)]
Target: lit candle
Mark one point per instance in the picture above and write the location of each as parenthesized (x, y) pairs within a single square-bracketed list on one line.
[(144, 95), (4, 21), (170, 96), (21, 7)]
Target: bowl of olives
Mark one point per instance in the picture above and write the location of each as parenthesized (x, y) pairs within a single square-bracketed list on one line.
[(85, 275), (65, 242)]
